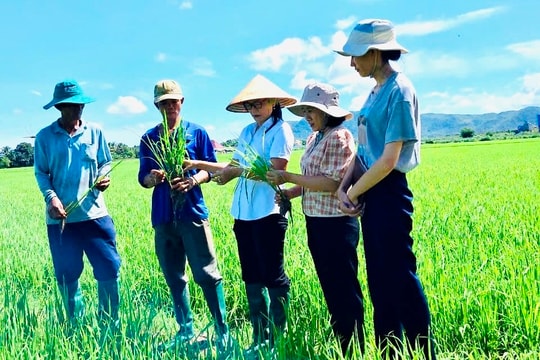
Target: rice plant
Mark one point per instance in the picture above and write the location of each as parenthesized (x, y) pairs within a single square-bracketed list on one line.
[(476, 238), (72, 206), (256, 168), (169, 152)]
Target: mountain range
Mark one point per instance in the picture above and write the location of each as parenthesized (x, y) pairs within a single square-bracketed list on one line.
[(441, 125)]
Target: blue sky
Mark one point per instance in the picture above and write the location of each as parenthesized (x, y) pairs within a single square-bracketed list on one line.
[(465, 56)]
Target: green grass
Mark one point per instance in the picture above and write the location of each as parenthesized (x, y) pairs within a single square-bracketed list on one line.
[(477, 240)]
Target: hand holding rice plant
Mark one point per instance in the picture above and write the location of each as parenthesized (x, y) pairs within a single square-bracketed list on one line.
[(257, 168), (169, 153), (101, 184)]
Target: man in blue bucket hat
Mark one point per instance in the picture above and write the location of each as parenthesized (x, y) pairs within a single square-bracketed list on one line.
[(72, 161)]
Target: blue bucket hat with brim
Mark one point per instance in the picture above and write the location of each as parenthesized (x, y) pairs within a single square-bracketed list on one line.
[(68, 91)]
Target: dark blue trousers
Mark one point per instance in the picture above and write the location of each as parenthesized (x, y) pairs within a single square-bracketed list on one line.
[(333, 242), (396, 292), (96, 238), (261, 250)]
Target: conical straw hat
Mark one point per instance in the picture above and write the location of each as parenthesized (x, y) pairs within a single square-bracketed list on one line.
[(259, 88)]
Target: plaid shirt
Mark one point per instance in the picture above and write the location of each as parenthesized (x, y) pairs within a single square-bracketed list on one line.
[(329, 157)]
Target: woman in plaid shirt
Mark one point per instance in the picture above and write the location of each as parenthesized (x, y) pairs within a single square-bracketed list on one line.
[(332, 236)]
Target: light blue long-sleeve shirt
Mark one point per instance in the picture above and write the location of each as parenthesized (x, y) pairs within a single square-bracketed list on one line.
[(67, 166)]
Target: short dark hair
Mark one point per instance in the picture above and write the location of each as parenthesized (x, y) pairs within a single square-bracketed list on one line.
[(333, 121), (393, 55)]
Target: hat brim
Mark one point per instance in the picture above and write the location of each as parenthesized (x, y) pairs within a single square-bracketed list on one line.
[(168, 97), (361, 50), (334, 111), (77, 99)]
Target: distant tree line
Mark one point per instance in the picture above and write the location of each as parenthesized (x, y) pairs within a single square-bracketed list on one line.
[(23, 154)]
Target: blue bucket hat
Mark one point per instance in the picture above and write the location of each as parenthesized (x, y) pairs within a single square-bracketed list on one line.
[(68, 91)]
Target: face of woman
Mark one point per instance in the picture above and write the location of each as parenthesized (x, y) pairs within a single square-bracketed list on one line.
[(315, 118), (364, 64), (260, 109)]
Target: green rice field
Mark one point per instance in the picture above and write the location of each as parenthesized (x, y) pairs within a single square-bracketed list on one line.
[(477, 240)]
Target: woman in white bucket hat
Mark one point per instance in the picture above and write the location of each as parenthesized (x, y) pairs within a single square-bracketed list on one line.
[(389, 144), (332, 236)]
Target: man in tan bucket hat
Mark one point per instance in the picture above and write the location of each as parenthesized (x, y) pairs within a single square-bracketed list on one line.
[(259, 226)]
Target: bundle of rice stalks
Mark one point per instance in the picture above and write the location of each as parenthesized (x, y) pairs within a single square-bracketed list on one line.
[(256, 169), (72, 206), (169, 153)]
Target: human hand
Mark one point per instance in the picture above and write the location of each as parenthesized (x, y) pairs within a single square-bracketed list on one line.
[(155, 177), (190, 164), (224, 175), (276, 177), (103, 183), (347, 205), (183, 184), (55, 209), (278, 198)]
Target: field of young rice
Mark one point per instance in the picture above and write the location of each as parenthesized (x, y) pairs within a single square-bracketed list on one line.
[(477, 240)]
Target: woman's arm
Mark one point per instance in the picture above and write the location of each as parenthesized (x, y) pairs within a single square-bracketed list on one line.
[(315, 182), (378, 171), (204, 165)]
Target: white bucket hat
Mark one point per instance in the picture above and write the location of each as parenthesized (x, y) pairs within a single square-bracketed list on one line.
[(259, 88), (323, 97), (371, 34)]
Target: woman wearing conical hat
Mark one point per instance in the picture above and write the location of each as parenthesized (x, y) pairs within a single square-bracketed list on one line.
[(259, 226)]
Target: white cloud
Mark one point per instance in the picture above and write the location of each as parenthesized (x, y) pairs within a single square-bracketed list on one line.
[(35, 92), (231, 130), (528, 49), (299, 80), (433, 26), (107, 86), (161, 57), (203, 67), (339, 38), (294, 50), (127, 105), (471, 101), (531, 83), (345, 23), (422, 64), (186, 5)]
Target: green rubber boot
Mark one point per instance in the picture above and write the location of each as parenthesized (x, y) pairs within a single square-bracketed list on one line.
[(108, 302), (73, 300)]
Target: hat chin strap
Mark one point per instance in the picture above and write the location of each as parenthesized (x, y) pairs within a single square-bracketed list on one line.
[(374, 68)]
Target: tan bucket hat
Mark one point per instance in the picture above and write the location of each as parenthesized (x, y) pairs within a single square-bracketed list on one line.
[(167, 89), (259, 88), (323, 97)]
